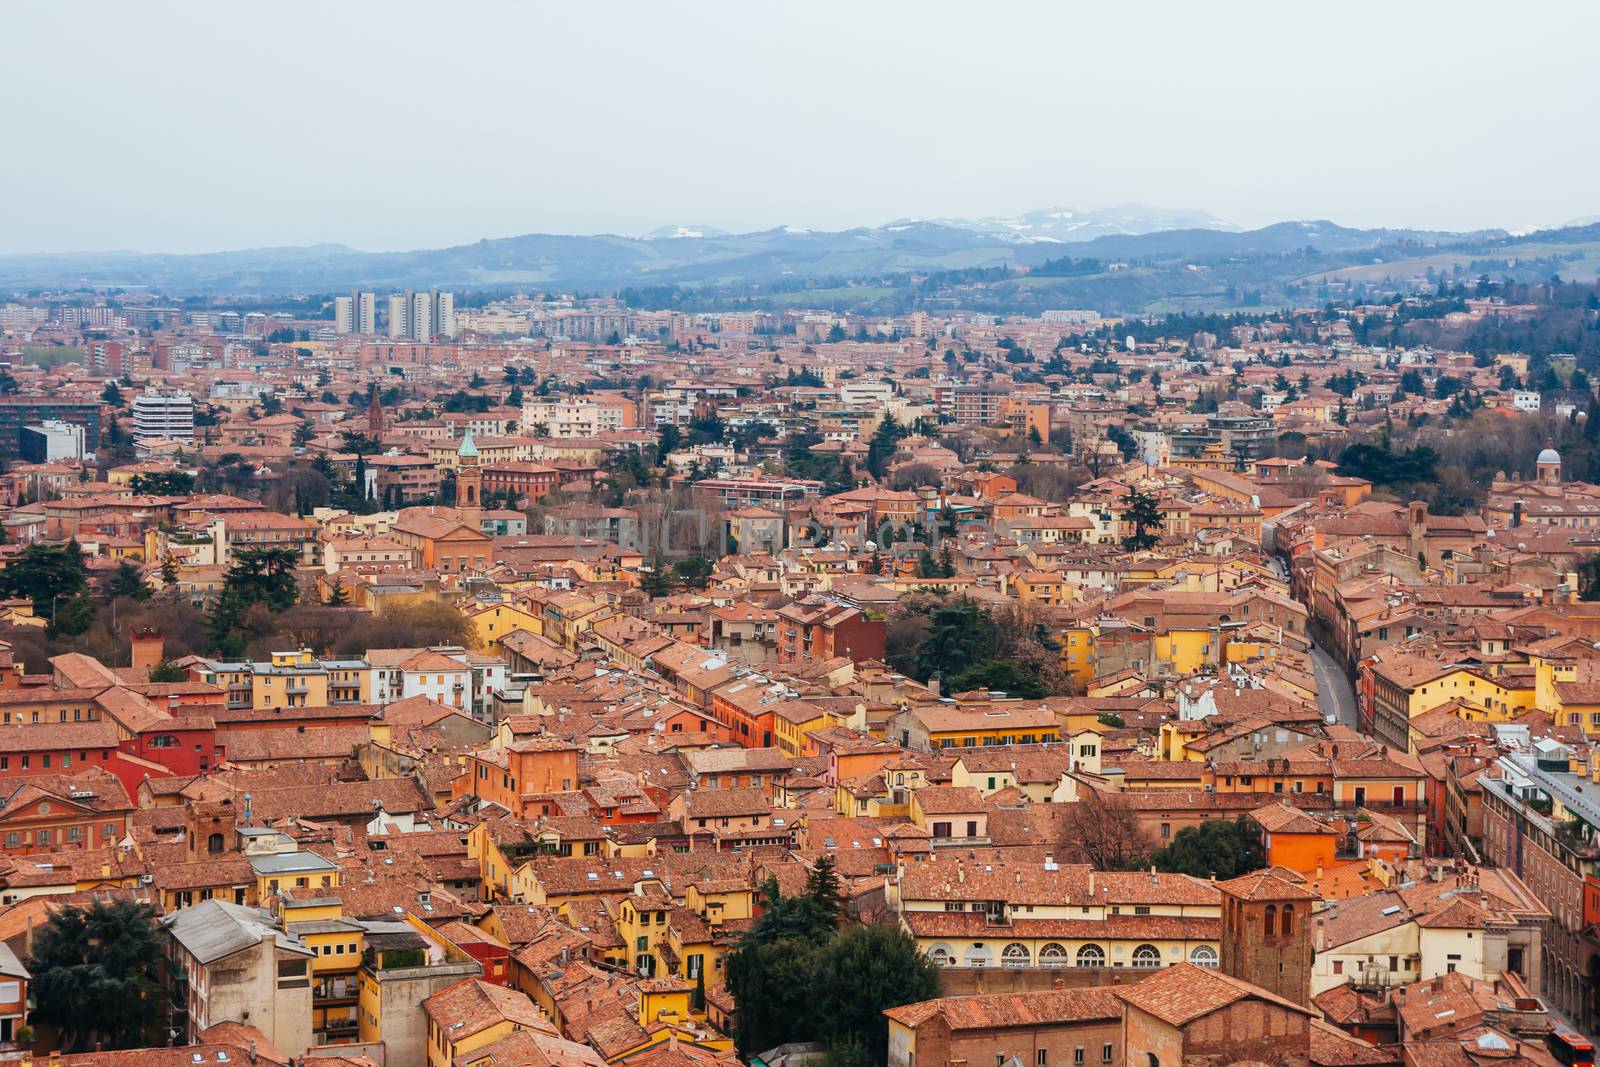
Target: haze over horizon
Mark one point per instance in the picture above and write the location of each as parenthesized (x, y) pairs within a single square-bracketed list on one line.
[(347, 125)]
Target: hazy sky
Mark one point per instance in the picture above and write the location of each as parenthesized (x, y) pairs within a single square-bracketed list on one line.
[(191, 127)]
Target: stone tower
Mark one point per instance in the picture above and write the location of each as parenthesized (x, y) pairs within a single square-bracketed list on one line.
[(1266, 931), (469, 483)]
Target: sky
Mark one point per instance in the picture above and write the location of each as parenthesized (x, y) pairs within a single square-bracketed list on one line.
[(186, 127)]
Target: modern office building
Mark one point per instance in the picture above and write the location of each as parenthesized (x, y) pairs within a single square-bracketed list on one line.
[(51, 441), (163, 416), (17, 412)]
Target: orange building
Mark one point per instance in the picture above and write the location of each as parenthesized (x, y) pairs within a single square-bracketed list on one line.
[(1295, 840), (522, 777)]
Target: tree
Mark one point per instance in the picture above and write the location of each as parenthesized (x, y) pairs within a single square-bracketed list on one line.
[(1143, 513), (163, 483), (128, 581), (1000, 676), (959, 636), (822, 892), (1225, 849), (1103, 830), (167, 671), (111, 395), (860, 974), (45, 574), (694, 572), (71, 616), (104, 955), (262, 577), (338, 597), (659, 580)]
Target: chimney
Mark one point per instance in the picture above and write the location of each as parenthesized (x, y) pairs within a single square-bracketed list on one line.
[(147, 645)]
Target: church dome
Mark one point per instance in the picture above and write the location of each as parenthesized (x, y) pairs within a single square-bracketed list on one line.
[(1549, 455)]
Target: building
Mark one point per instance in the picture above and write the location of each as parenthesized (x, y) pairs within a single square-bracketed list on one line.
[(356, 313), (231, 963), (163, 416), (422, 316), (52, 441), (1266, 939), (19, 412), (821, 630)]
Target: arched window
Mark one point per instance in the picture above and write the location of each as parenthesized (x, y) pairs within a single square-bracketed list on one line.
[(1052, 955), (1152, 1060), (215, 843), (1288, 920), (1269, 924), (1203, 956), (979, 956), (941, 956), (1147, 956), (1014, 955), (1091, 956)]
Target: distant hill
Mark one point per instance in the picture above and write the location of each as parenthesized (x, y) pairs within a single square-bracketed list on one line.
[(1119, 260)]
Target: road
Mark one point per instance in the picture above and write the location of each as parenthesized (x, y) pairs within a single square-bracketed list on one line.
[(1335, 695)]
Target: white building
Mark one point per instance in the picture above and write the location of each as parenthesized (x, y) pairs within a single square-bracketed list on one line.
[(422, 316), (163, 416), (1525, 399), (356, 313), (52, 440)]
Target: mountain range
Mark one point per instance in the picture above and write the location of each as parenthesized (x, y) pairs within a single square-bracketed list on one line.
[(1164, 249)]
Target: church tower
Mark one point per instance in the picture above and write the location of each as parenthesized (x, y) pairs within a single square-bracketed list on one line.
[(469, 483), (374, 416), (1266, 931)]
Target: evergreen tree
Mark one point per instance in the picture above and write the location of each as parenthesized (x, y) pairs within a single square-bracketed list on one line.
[(1143, 513), (128, 581), (103, 958)]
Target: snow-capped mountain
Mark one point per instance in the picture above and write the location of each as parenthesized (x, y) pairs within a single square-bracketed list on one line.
[(1059, 224), (670, 233)]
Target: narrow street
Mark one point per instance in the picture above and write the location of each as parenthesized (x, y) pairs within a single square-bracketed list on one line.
[(1335, 695)]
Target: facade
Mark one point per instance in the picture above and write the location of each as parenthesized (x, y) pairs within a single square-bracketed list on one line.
[(52, 441), (163, 416), (18, 412)]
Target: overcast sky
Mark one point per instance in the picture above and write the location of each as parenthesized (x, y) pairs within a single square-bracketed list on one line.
[(205, 126)]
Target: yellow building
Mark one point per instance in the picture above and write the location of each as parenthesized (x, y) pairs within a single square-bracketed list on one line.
[(469, 1015), (1058, 916), (494, 621)]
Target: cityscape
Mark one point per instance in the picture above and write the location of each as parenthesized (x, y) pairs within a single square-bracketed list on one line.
[(1107, 635)]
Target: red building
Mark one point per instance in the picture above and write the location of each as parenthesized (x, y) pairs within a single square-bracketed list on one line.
[(526, 481), (822, 629), (29, 749), (57, 812)]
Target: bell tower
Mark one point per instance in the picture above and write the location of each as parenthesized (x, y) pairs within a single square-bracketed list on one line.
[(469, 483), (1266, 931)]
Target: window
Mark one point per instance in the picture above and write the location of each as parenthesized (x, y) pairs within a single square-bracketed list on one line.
[(1052, 955), (941, 956), (1338, 966), (1014, 955), (1269, 922), (1105, 1052), (215, 843), (1090, 956), (1147, 956), (1203, 956), (1077, 1054), (1288, 920), (1041, 1058)]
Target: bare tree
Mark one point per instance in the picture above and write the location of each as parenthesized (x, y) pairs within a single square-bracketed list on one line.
[(1102, 830)]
